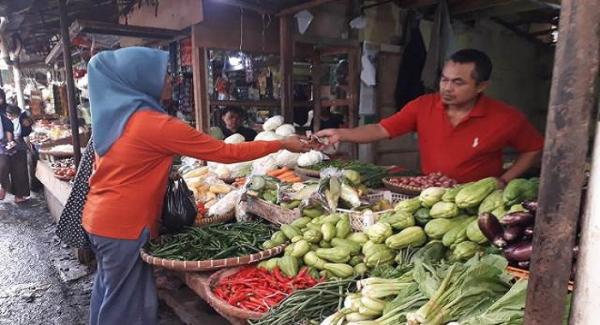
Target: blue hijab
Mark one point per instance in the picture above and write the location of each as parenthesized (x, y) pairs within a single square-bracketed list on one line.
[(120, 83)]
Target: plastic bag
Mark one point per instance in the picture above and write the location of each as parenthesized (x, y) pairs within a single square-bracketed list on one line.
[(179, 209)]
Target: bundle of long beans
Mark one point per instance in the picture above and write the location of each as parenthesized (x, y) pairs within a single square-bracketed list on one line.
[(213, 242), (309, 306)]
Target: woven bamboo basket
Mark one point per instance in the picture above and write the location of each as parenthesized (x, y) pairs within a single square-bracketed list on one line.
[(406, 190), (222, 306), (220, 219), (524, 274), (271, 212), (361, 219), (209, 265)]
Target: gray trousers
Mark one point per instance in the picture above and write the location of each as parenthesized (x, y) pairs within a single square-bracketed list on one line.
[(124, 289)]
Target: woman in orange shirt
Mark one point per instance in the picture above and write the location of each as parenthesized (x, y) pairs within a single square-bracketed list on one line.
[(135, 142)]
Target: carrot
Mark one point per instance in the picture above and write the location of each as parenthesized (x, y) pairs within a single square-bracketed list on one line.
[(295, 179), (287, 174), (277, 172)]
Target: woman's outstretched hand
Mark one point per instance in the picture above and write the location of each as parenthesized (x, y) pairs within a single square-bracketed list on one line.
[(293, 144)]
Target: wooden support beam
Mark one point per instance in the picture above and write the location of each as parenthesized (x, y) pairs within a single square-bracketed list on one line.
[(465, 6), (500, 10), (286, 53), (316, 89), (543, 32), (573, 98), (303, 6), (98, 27), (353, 93), (201, 105), (520, 32), (73, 118), (261, 9)]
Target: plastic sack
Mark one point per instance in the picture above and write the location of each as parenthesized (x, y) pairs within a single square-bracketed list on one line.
[(179, 208)]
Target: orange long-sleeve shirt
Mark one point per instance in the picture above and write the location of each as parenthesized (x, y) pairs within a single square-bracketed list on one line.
[(129, 183)]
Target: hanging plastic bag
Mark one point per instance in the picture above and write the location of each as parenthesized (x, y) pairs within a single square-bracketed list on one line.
[(179, 209)]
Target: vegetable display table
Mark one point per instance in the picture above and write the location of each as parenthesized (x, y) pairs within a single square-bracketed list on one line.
[(198, 282)]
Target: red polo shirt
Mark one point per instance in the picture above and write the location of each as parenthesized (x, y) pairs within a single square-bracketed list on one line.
[(473, 149)]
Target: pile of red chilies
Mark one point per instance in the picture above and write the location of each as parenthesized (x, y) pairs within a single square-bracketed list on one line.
[(258, 290)]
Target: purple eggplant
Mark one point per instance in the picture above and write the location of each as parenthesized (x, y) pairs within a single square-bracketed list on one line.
[(519, 252), (524, 265), (512, 233), (530, 206), (517, 218), (528, 231), (491, 229)]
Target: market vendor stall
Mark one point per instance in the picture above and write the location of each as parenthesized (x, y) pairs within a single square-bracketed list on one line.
[(414, 253)]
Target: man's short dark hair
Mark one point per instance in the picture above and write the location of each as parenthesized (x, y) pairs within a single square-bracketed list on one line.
[(483, 64), (232, 109)]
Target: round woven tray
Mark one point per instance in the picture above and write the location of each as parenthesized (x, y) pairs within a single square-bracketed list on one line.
[(408, 190), (524, 274), (222, 306), (220, 219), (308, 172), (64, 178), (209, 265), (57, 153)]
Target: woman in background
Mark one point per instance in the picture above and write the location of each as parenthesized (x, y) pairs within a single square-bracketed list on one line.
[(19, 174)]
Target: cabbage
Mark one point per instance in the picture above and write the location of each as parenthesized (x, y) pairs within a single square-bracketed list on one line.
[(310, 158), (222, 171), (285, 130), (273, 123), (286, 158), (263, 165), (225, 204), (267, 136), (235, 138)]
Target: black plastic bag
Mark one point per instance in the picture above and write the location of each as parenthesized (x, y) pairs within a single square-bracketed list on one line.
[(179, 209)]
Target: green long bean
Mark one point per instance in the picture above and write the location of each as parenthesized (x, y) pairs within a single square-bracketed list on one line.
[(309, 305), (212, 242)]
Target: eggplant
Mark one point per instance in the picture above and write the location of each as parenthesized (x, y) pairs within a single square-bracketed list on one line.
[(528, 231), (517, 218), (530, 206), (519, 252), (491, 229), (512, 233), (524, 265)]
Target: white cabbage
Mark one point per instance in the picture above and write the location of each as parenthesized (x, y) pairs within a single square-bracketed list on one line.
[(226, 204), (286, 158), (310, 158), (264, 165), (273, 123), (235, 138), (285, 130), (267, 136)]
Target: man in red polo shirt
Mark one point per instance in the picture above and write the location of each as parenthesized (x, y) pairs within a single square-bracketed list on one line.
[(461, 131)]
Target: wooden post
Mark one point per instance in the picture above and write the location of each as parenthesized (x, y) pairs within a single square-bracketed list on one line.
[(572, 99), (201, 103), (316, 89), (353, 93), (287, 66), (66, 40)]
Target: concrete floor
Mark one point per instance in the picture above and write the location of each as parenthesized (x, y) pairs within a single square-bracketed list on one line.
[(40, 280)]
